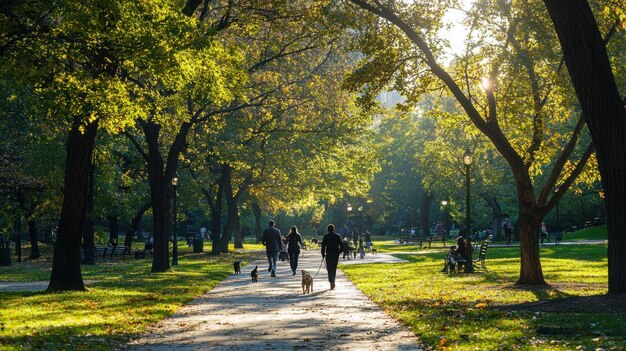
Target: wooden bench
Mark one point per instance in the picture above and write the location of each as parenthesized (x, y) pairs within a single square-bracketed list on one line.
[(100, 252), (482, 254), (117, 251)]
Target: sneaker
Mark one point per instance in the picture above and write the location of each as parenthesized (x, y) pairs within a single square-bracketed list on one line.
[(332, 286), (273, 275), (294, 273), (269, 269)]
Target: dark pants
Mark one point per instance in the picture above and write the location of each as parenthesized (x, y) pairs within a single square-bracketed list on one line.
[(272, 257), (331, 267), (293, 260)]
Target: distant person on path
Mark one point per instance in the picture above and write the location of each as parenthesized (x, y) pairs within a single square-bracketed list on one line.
[(273, 245), (331, 249), (508, 228), (294, 243), (368, 239), (355, 237), (440, 231)]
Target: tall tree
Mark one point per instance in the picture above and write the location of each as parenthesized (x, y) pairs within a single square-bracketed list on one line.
[(591, 74), (511, 29)]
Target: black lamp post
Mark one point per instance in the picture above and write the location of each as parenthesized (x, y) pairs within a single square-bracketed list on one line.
[(558, 225), (349, 208), (467, 161), (175, 243)]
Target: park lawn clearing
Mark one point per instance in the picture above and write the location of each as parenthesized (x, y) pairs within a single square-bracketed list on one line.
[(591, 233), (124, 300), (482, 311)]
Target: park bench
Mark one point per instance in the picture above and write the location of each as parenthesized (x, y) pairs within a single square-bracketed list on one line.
[(117, 251), (99, 252), (482, 254)]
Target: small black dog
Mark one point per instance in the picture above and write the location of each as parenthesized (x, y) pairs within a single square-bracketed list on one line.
[(237, 265), (255, 274)]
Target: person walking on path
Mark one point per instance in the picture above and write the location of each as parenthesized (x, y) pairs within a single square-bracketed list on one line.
[(440, 231), (294, 242), (273, 245), (331, 250)]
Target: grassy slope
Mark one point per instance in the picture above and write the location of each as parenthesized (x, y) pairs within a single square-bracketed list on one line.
[(454, 312), (125, 300)]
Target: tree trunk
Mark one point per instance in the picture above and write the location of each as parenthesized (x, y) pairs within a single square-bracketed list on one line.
[(114, 233), (66, 274), (227, 173), (590, 71), (496, 214), (256, 209), (238, 233), (427, 200), (89, 235), (528, 229), (160, 199), (134, 224), (34, 238)]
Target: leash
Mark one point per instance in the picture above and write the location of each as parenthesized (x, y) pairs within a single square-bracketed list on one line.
[(318, 270)]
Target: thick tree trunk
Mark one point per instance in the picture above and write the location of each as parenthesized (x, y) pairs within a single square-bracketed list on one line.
[(89, 235), (114, 232), (34, 238), (160, 199), (528, 226), (590, 71), (427, 200), (134, 224), (66, 274), (256, 210), (238, 233)]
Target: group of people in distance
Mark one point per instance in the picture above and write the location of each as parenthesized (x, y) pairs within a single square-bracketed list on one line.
[(331, 249)]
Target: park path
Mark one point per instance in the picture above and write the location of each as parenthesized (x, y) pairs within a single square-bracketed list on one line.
[(273, 314)]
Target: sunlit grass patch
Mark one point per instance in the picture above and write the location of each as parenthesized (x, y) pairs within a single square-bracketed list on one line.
[(466, 311), (123, 299)]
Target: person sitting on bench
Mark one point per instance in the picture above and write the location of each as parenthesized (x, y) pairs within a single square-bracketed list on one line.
[(456, 256)]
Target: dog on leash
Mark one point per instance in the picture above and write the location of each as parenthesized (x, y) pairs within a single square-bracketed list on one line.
[(373, 249), (237, 266), (255, 274), (307, 282)]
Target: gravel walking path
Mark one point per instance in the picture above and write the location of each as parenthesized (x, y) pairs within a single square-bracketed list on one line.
[(273, 314)]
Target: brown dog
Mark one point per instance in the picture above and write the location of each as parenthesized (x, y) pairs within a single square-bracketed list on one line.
[(374, 251), (307, 282)]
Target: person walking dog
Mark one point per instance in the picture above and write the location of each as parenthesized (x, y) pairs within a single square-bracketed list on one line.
[(331, 250), (273, 245)]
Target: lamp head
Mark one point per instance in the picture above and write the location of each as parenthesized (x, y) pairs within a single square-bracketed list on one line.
[(349, 208), (175, 181), (468, 158)]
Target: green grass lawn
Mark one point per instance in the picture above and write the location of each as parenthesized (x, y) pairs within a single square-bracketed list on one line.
[(591, 233), (457, 311), (124, 300)]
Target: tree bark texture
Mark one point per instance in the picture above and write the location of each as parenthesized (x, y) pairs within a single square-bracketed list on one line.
[(496, 214), (227, 173), (528, 226), (66, 274), (590, 71), (256, 210), (134, 224), (89, 235), (34, 238), (160, 194)]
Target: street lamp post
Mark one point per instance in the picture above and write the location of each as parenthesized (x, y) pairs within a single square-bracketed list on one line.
[(349, 208), (558, 225), (175, 243), (467, 161)]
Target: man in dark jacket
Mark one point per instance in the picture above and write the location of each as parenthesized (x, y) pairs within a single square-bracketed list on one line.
[(331, 249), (273, 245)]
